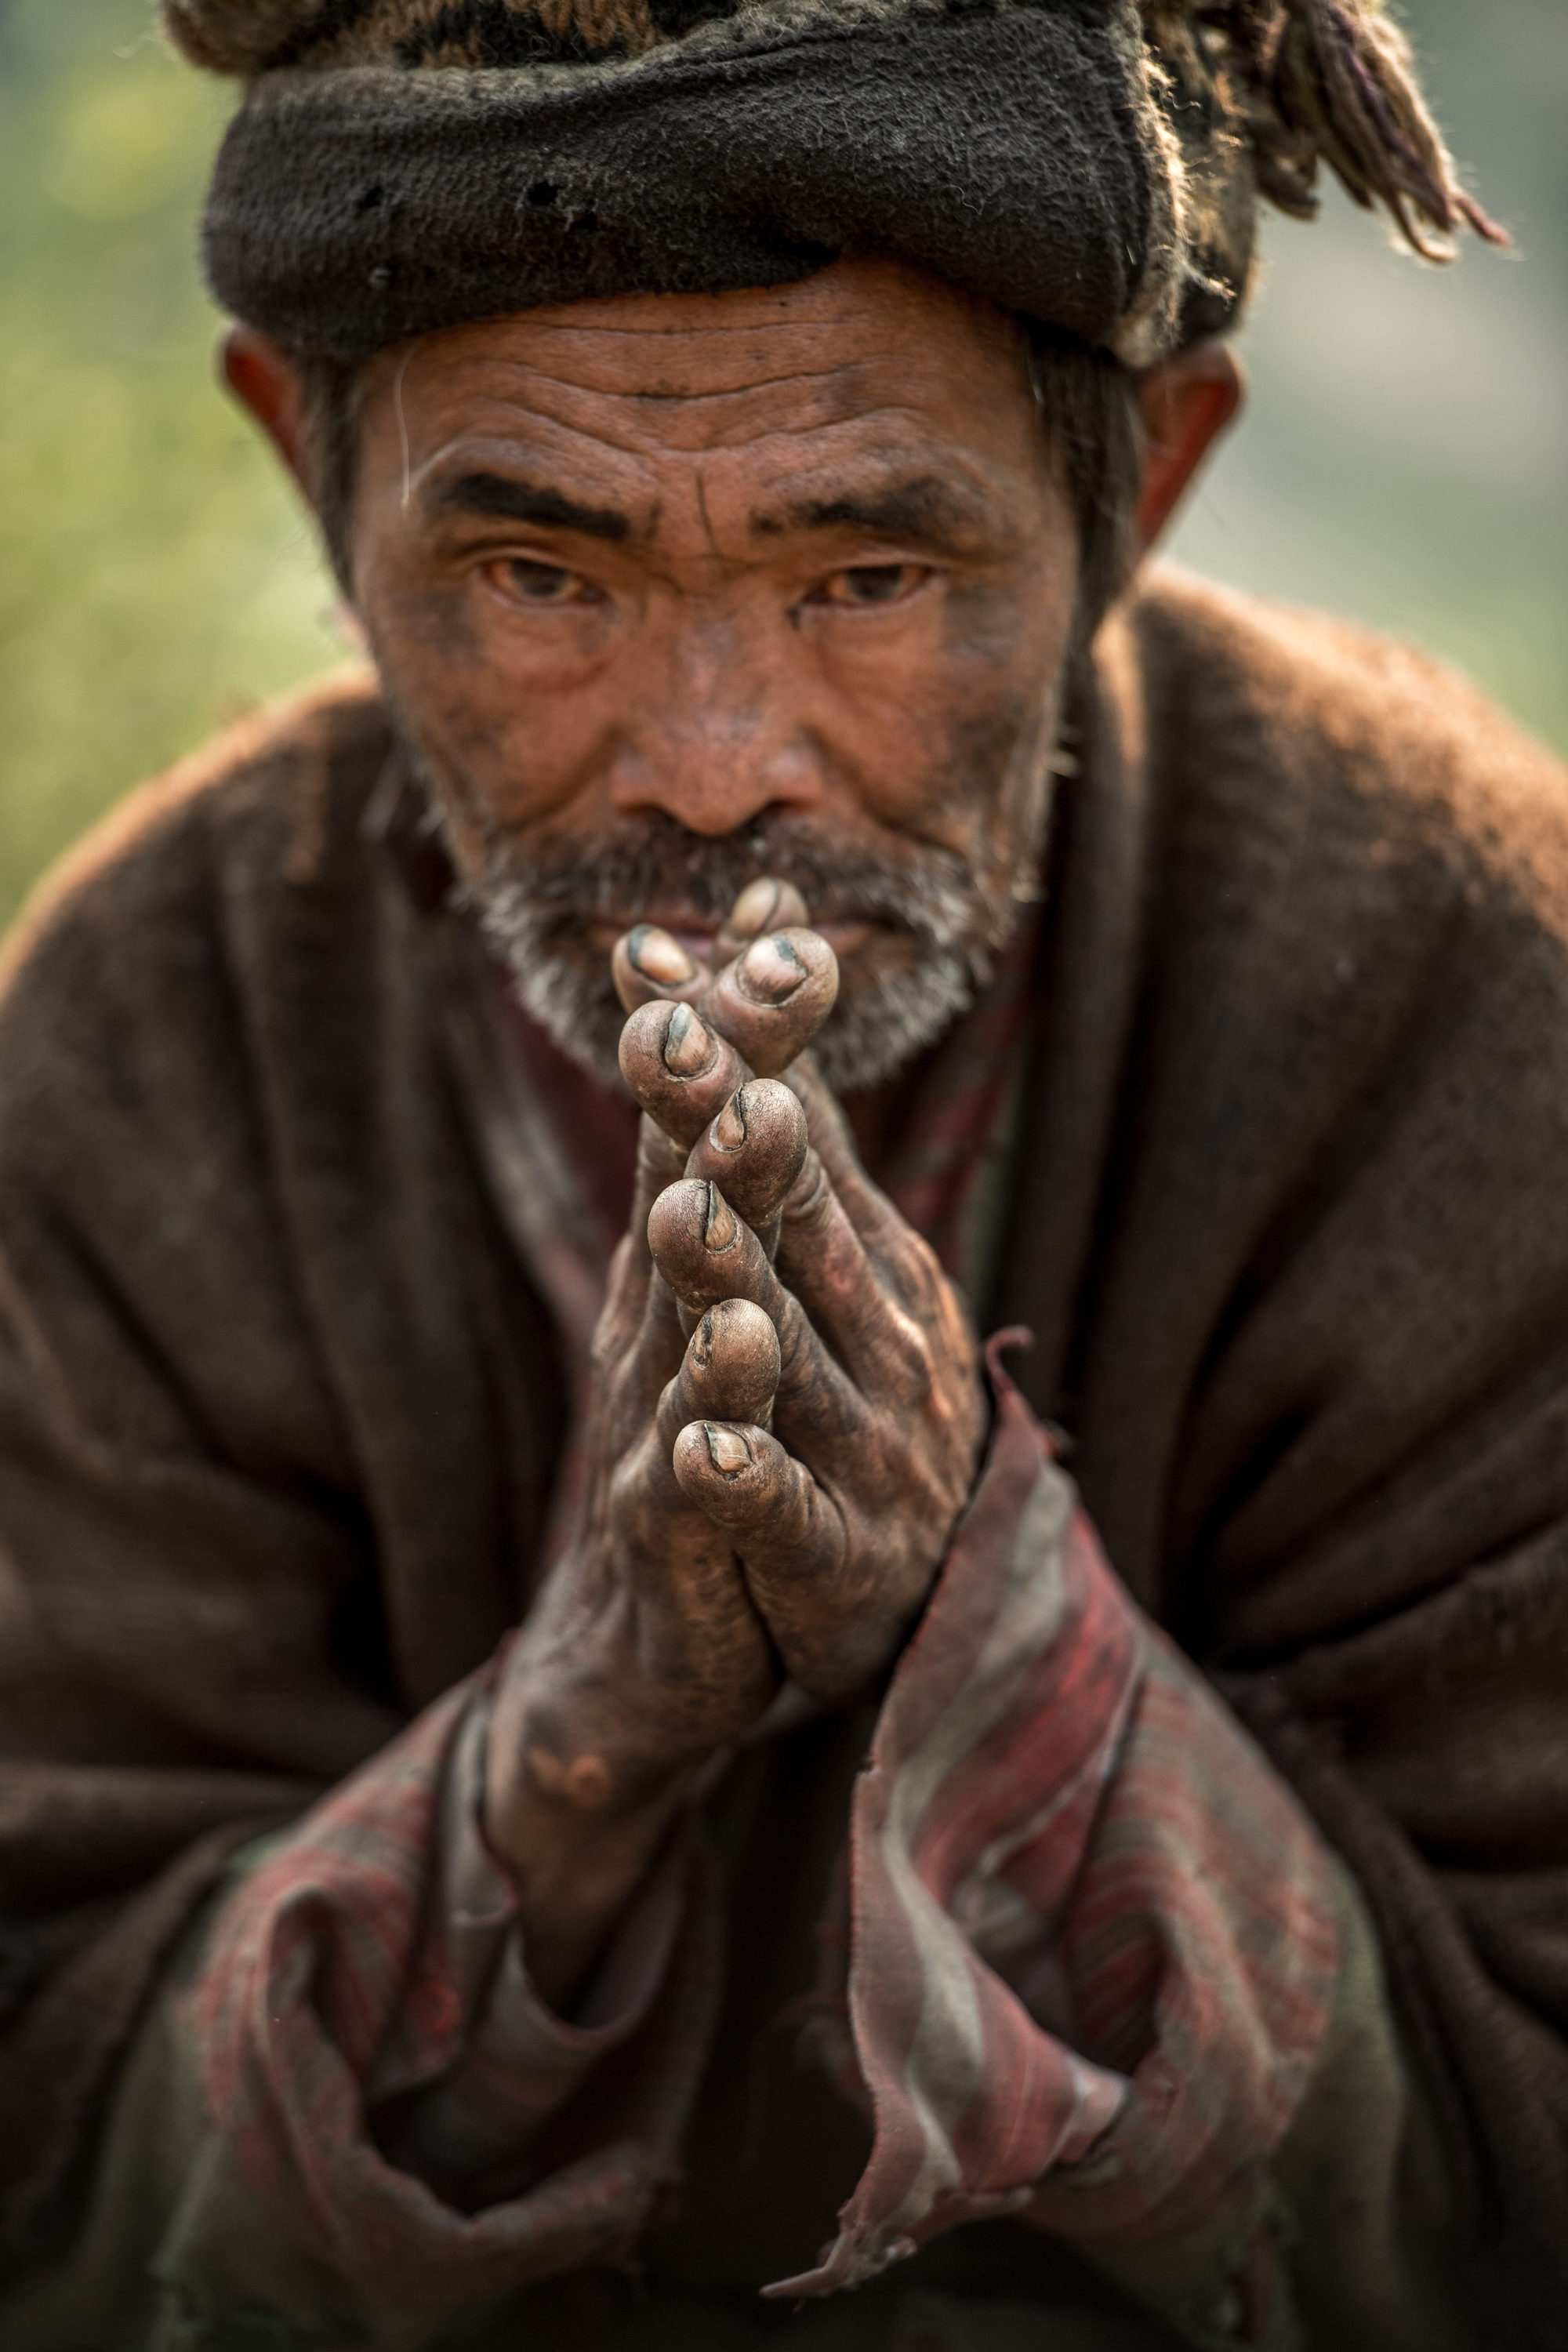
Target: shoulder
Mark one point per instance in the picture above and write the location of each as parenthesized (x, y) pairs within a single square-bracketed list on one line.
[(1293, 725), (141, 978), (262, 805)]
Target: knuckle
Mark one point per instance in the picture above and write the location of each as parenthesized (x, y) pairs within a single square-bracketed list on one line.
[(904, 1372), (811, 1196), (632, 1478), (809, 1390)]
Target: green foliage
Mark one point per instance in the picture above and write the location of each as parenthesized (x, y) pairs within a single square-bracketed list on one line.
[(1404, 455), (156, 575), (1403, 460)]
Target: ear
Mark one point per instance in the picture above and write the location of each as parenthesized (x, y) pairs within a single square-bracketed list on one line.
[(263, 378), (1184, 405)]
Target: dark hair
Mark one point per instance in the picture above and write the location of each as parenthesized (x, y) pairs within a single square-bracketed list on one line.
[(1086, 399), (330, 392), (1088, 402)]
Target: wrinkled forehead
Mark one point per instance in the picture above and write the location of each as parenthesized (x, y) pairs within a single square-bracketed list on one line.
[(868, 398), (872, 343)]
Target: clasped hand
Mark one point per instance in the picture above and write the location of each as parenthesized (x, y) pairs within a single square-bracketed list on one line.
[(784, 1422)]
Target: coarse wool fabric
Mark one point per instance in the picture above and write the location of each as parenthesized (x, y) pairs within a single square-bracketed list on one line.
[(397, 166), (1016, 151), (279, 1409)]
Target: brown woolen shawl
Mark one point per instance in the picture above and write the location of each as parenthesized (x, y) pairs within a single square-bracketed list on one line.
[(278, 1409), (276, 1417)]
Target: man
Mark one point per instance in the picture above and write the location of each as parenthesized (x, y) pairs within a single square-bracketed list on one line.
[(575, 1757)]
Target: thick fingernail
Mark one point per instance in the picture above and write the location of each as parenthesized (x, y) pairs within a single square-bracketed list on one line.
[(659, 957), (728, 1131), (753, 909), (721, 1229), (727, 1449), (770, 972), (688, 1047), (701, 1343)]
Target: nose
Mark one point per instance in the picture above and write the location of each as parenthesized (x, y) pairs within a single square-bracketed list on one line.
[(714, 730)]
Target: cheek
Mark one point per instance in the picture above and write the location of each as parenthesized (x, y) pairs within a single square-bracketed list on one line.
[(993, 649), (437, 628), (423, 633), (448, 674), (1016, 635), (992, 774), (963, 763)]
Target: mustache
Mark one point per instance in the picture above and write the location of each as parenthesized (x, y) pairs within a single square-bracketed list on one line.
[(938, 917), (534, 905), (657, 863)]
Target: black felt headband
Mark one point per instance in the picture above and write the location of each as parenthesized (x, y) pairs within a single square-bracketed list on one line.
[(351, 209), (401, 165)]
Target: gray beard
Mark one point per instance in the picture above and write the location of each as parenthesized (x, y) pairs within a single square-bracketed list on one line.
[(535, 911)]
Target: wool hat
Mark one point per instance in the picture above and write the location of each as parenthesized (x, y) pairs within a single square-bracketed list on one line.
[(400, 165)]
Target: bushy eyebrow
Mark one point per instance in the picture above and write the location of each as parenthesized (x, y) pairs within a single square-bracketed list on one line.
[(513, 500), (923, 510)]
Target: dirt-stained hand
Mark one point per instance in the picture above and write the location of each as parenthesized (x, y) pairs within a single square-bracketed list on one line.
[(646, 1652), (782, 1429), (840, 1502)]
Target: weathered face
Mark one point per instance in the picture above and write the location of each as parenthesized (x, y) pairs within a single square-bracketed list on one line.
[(671, 592)]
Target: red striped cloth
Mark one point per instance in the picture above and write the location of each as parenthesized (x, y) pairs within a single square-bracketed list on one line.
[(1090, 1955), (333, 1973), (1093, 1942)]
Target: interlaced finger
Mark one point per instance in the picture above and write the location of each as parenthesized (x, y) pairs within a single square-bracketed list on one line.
[(706, 1253), (729, 1372), (767, 905), (795, 1550), (844, 1294), (868, 1209), (772, 1000), (659, 1163), (767, 1501), (681, 1071), (636, 1359), (753, 1150), (648, 964)]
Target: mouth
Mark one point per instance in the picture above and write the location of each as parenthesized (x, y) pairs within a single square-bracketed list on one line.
[(846, 939)]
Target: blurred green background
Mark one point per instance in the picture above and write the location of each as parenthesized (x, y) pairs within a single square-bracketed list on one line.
[(1404, 459)]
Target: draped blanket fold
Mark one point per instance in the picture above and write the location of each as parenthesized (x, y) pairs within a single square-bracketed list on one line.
[(282, 1411), (1057, 1827)]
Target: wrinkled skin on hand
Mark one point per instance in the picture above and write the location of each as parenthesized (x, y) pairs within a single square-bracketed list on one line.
[(787, 1404), (839, 1501), (785, 1420)]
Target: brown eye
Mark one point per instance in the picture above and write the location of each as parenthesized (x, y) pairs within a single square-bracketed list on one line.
[(871, 583), (547, 584)]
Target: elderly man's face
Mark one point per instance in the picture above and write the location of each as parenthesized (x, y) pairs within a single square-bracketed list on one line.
[(672, 591)]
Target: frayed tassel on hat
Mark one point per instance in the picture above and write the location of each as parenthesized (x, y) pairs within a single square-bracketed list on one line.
[(1320, 81), (246, 37), (235, 36), (1333, 81)]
